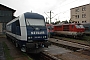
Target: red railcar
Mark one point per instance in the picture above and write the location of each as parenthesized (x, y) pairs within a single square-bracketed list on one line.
[(69, 29), (50, 28)]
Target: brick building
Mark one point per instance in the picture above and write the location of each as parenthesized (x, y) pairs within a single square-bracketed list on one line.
[(80, 14), (6, 14)]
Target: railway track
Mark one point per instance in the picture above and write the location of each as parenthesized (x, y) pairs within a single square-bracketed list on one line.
[(52, 53), (43, 56), (69, 44), (72, 40), (59, 55), (46, 56), (72, 46)]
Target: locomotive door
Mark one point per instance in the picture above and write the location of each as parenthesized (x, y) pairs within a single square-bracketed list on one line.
[(72, 28)]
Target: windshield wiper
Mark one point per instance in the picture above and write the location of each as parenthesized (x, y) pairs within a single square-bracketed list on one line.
[(30, 25)]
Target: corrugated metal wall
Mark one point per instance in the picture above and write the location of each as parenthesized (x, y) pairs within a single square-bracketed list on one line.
[(5, 16)]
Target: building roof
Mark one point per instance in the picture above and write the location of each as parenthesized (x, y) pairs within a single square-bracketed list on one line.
[(8, 8), (80, 6)]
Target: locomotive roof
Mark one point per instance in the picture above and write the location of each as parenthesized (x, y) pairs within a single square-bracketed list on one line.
[(29, 15), (33, 15)]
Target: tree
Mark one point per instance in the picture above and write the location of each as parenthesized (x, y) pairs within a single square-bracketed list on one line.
[(52, 23), (47, 22), (57, 22), (65, 22)]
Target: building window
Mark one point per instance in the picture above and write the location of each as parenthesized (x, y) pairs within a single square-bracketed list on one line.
[(84, 8), (77, 16), (78, 21), (77, 10), (83, 15), (83, 21)]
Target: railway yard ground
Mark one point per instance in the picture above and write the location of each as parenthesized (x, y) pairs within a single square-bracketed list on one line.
[(59, 50), (79, 52), (9, 51)]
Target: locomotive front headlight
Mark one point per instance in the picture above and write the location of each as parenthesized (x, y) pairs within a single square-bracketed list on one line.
[(31, 32), (45, 36), (28, 37)]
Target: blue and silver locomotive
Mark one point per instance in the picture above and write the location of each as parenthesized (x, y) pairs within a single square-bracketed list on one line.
[(28, 31)]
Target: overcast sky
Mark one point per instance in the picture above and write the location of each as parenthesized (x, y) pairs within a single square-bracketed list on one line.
[(60, 8)]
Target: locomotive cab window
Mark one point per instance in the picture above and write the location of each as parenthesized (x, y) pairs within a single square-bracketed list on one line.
[(81, 26), (35, 22), (77, 26)]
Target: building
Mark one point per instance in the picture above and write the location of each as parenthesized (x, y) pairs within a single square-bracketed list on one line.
[(6, 14), (80, 14)]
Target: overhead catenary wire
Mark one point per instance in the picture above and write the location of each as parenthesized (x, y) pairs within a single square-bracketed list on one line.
[(63, 9)]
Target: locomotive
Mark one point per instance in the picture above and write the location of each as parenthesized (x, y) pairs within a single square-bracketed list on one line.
[(87, 28), (74, 30), (28, 31)]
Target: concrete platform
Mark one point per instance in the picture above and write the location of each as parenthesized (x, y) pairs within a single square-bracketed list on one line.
[(55, 50)]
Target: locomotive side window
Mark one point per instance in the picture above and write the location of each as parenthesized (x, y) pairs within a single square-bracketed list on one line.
[(8, 27), (35, 22), (17, 23), (18, 32), (13, 27)]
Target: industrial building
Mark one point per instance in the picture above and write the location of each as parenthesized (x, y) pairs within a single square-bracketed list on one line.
[(6, 14), (80, 14)]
